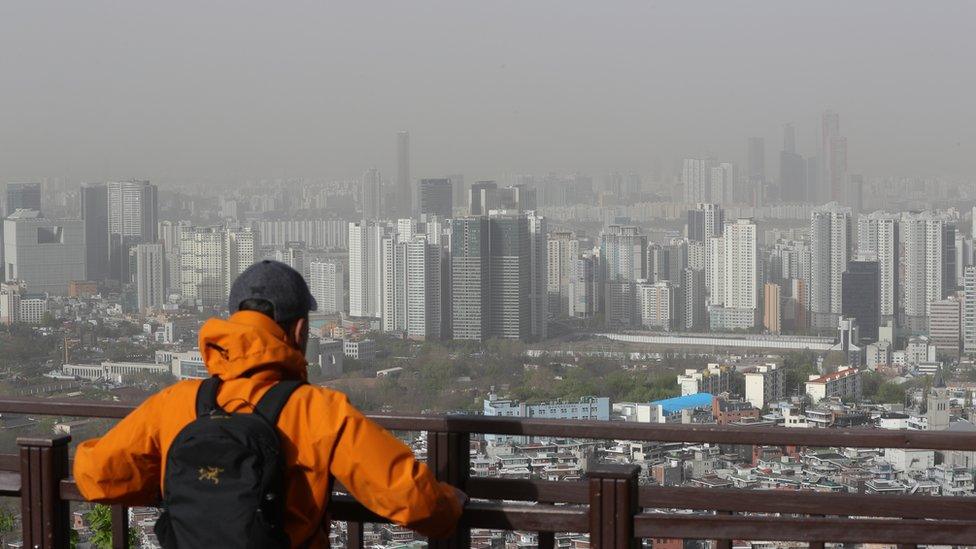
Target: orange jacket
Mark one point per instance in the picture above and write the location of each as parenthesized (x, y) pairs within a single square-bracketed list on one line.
[(322, 435)]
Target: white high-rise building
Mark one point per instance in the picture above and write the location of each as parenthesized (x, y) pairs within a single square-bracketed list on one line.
[(47, 254), (656, 303), (563, 253), (925, 236), (370, 194), (150, 274), (741, 265), (211, 258), (969, 311), (365, 268), (411, 294), (715, 271), (696, 178), (538, 269), (878, 237), (722, 183), (830, 250), (132, 219), (327, 284)]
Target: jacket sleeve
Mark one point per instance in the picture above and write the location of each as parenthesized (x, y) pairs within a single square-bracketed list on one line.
[(124, 465), (382, 473)]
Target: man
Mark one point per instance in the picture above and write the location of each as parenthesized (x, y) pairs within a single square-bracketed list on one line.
[(322, 435)]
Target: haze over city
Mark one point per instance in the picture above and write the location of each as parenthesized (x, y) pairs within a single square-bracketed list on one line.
[(224, 91)]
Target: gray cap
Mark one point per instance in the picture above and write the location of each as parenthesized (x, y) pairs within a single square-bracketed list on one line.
[(277, 283)]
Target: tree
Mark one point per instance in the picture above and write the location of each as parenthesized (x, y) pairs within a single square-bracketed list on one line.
[(100, 522), (8, 522)]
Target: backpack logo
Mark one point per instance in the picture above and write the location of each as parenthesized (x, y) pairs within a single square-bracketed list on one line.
[(210, 473)]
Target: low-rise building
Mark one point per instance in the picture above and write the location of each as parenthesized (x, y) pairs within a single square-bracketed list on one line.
[(844, 384)]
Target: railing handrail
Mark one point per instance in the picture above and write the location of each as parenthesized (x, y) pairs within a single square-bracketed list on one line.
[(580, 429)]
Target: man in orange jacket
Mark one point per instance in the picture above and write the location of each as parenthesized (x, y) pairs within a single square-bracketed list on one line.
[(322, 435)]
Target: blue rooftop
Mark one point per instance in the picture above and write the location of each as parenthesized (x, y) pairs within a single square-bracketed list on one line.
[(676, 404)]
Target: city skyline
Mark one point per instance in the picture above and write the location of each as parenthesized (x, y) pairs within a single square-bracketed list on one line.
[(316, 105)]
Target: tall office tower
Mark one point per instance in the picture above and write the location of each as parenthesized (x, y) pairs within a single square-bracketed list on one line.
[(945, 327), (404, 185), (830, 250), (94, 213), (833, 154), (722, 182), (656, 305), (481, 197), (459, 192), (563, 255), (211, 258), (696, 178), (521, 198), (435, 198), (509, 312), (623, 251), (741, 265), (862, 297), (326, 281), (581, 288), (814, 179), (132, 219), (929, 263), (704, 222), (878, 236), (969, 311), (772, 308), (150, 291), (365, 268), (538, 271), (469, 278), (47, 254), (792, 169), (22, 196), (371, 192)]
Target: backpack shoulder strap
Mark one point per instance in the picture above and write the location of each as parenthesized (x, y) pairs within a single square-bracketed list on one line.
[(271, 404), (207, 396)]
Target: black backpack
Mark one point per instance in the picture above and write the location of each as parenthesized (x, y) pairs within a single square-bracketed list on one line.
[(224, 484)]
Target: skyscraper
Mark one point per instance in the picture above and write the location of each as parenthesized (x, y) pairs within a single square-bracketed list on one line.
[(830, 250), (538, 269), (371, 194), (722, 184), (22, 196), (772, 308), (480, 197), (969, 311), (211, 258), (563, 250), (756, 159), (705, 221), (460, 192), (878, 236), (132, 219), (792, 169), (862, 297), (509, 315), (833, 156), (47, 254), (365, 268), (435, 197), (149, 276), (326, 281), (929, 263), (741, 265), (404, 185), (94, 213)]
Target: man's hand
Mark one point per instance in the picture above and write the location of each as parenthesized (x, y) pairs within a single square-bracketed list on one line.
[(462, 498)]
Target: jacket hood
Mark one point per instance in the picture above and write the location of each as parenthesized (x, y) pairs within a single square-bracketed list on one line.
[(249, 344)]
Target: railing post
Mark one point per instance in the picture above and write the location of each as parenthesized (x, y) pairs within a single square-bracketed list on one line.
[(120, 527), (448, 456), (613, 505), (44, 515)]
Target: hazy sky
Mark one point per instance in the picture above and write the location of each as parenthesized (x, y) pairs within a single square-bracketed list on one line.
[(179, 91)]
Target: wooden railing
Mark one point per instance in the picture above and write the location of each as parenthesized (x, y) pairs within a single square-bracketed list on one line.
[(609, 505)]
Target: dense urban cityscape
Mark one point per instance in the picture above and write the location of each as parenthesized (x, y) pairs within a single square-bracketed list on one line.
[(805, 296)]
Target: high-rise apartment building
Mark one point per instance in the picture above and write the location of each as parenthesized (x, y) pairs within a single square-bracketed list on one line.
[(833, 155), (211, 258), (929, 263), (47, 254), (704, 222), (326, 281), (723, 179), (741, 265), (132, 219), (830, 250), (150, 292), (435, 197), (878, 237), (371, 194), (563, 251), (969, 311), (470, 255), (945, 327), (772, 308), (696, 179), (656, 305), (365, 268), (792, 169)]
